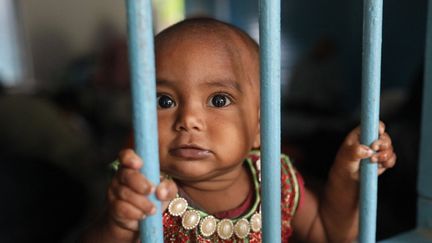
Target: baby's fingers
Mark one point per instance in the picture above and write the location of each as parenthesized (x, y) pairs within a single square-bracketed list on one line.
[(134, 180), (166, 191), (356, 152), (125, 215), (138, 201), (390, 162), (129, 159), (353, 137), (386, 158), (381, 128), (382, 166), (383, 143)]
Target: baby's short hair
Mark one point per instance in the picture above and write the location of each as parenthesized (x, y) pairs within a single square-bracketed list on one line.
[(199, 26), (213, 31)]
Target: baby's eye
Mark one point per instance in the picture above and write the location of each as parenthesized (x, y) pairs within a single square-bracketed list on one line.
[(219, 100), (165, 102)]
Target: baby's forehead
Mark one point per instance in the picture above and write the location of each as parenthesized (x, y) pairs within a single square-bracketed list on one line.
[(205, 37), (199, 44), (208, 30)]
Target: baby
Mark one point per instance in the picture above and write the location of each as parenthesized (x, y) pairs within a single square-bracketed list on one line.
[(209, 125)]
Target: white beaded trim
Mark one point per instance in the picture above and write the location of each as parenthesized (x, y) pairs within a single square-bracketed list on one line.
[(208, 226), (242, 228), (177, 206), (190, 219), (225, 229)]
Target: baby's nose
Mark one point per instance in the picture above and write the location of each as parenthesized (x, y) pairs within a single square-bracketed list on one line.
[(190, 118)]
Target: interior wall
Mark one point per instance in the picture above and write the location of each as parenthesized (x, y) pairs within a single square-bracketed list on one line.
[(60, 30)]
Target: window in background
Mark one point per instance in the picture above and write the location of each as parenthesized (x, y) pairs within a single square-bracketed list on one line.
[(14, 68), (167, 13)]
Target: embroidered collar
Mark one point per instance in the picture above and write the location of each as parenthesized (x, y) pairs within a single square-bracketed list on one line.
[(224, 228)]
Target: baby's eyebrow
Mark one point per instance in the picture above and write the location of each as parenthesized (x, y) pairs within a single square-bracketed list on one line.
[(162, 82), (224, 84), (230, 84)]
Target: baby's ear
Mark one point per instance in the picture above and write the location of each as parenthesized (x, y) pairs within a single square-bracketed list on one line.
[(257, 139)]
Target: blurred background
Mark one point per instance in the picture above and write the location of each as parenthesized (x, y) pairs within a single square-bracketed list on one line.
[(65, 100)]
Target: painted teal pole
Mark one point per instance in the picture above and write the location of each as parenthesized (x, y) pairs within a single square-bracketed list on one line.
[(371, 75), (269, 28), (141, 54), (424, 217)]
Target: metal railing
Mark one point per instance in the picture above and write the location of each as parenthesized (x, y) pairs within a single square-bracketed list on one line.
[(145, 126), (371, 80), (142, 61)]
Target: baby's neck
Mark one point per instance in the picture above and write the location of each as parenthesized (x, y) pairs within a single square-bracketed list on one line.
[(220, 195)]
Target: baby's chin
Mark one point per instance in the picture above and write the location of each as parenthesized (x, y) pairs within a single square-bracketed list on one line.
[(195, 172), (189, 173)]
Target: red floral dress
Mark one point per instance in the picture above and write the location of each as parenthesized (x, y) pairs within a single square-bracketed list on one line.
[(292, 186)]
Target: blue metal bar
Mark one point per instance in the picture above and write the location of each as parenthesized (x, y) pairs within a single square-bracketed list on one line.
[(424, 218), (13, 67), (269, 26), (141, 53), (371, 74)]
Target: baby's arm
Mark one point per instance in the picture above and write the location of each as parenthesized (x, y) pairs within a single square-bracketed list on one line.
[(334, 216), (128, 202)]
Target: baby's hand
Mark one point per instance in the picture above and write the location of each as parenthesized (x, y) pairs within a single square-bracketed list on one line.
[(129, 190), (351, 152)]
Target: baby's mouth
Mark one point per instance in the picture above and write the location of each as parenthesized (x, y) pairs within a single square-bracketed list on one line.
[(190, 152)]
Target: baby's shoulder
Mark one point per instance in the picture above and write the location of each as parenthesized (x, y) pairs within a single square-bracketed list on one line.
[(291, 187)]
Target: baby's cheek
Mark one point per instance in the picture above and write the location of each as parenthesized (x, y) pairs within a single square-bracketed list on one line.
[(163, 151), (234, 140)]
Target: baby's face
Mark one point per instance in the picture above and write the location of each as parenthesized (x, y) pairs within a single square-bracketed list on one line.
[(208, 109)]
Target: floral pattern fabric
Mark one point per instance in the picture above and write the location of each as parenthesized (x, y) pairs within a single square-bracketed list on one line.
[(291, 184)]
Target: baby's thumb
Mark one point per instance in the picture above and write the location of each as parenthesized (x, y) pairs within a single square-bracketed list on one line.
[(166, 191), (129, 159)]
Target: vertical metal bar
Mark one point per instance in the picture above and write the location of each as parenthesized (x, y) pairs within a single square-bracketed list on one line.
[(141, 53), (371, 75), (424, 217), (13, 67), (269, 26)]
